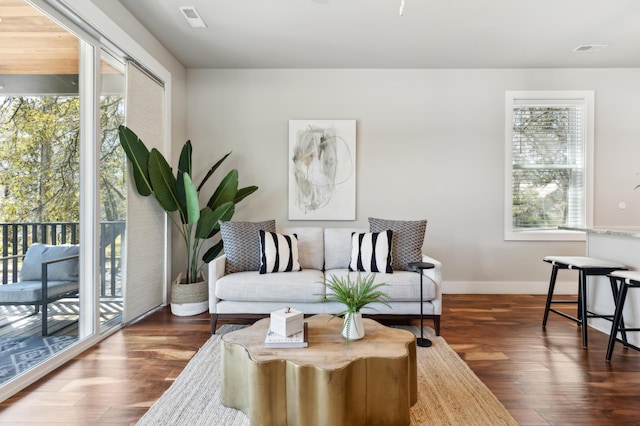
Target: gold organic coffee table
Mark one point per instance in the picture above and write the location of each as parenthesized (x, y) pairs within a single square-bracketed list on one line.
[(368, 381)]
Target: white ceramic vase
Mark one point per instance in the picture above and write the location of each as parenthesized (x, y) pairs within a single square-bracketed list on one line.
[(353, 328)]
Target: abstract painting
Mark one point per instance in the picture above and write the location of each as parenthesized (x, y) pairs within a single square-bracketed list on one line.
[(322, 169)]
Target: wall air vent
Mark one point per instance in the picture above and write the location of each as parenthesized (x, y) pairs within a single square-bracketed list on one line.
[(588, 48), (193, 17)]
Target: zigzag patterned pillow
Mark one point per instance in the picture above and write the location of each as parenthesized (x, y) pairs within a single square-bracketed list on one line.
[(278, 253), (241, 244), (408, 238), (371, 252)]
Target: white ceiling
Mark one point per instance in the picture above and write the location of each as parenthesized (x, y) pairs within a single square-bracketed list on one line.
[(372, 34)]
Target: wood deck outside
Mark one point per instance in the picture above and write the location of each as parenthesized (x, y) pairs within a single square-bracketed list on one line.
[(22, 321)]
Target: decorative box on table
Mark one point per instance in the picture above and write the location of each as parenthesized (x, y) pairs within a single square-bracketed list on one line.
[(287, 321)]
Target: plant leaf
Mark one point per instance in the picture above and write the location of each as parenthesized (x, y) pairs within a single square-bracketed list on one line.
[(163, 182), (212, 170), (244, 192), (225, 217), (138, 155), (192, 202), (184, 166), (226, 191), (209, 219), (213, 252), (354, 295)]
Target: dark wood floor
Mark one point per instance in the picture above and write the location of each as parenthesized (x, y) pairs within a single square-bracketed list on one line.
[(542, 377)]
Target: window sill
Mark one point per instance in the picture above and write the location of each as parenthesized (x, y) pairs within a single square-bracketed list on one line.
[(549, 235)]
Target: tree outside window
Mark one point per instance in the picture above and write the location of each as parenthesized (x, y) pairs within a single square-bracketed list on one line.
[(547, 144), (39, 166)]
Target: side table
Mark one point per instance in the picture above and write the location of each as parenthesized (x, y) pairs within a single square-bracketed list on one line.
[(420, 267)]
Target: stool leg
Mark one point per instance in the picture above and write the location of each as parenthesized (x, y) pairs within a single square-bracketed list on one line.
[(614, 290), (582, 304), (579, 315), (622, 295), (552, 284)]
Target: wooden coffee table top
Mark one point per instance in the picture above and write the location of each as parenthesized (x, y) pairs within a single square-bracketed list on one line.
[(327, 348)]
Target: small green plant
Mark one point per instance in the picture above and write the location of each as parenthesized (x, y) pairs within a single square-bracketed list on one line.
[(353, 295)]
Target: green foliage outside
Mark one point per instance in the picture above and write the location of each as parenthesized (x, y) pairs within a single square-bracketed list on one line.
[(113, 166), (543, 168), (38, 147), (40, 163), (39, 159)]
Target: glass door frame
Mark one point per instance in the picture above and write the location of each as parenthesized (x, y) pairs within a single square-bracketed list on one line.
[(89, 82)]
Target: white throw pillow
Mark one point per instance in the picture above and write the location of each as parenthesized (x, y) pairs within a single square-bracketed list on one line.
[(278, 252), (371, 252)]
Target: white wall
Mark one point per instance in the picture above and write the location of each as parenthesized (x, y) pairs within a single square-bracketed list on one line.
[(430, 144)]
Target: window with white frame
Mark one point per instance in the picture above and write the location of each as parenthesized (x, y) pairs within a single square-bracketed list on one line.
[(549, 146)]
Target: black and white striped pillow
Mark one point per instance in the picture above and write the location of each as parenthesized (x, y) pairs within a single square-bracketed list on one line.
[(371, 252), (278, 253)]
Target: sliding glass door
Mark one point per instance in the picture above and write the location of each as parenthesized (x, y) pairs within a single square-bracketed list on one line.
[(62, 181), (113, 191), (41, 107)]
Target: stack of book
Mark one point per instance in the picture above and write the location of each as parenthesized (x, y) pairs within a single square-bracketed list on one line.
[(298, 340)]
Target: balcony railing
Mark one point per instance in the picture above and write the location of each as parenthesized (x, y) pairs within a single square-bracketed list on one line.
[(17, 237)]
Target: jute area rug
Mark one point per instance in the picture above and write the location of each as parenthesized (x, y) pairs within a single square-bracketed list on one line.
[(449, 393)]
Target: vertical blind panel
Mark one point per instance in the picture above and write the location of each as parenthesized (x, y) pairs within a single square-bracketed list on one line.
[(146, 224)]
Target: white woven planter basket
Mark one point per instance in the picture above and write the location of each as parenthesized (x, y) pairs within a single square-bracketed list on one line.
[(189, 299)]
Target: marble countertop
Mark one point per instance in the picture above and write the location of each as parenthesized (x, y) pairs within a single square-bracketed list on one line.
[(627, 231)]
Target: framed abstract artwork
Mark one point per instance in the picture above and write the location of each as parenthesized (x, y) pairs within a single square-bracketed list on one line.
[(322, 169)]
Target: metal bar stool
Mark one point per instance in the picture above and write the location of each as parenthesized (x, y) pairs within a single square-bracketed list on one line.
[(627, 280), (586, 266)]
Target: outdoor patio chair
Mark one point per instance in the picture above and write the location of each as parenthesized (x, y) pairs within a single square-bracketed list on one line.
[(48, 273)]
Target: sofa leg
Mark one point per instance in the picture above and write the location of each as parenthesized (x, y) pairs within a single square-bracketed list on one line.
[(214, 321), (436, 324)]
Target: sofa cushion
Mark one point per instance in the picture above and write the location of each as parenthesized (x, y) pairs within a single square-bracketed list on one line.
[(242, 244), (310, 246), (371, 251), (37, 253), (401, 286), (303, 286), (408, 238), (31, 291), (278, 252), (337, 247)]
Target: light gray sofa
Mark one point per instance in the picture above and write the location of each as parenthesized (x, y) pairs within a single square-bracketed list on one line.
[(321, 252)]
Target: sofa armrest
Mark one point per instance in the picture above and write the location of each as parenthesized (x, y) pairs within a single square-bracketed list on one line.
[(216, 271), (435, 275)]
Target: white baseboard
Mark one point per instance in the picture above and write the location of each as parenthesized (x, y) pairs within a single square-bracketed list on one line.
[(478, 287)]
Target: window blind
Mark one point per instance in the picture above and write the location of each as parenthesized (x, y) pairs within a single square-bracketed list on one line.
[(548, 170), (146, 246)]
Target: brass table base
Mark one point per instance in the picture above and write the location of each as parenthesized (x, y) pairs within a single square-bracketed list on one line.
[(369, 381)]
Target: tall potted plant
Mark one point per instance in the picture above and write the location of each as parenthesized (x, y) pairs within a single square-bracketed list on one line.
[(354, 296), (179, 197)]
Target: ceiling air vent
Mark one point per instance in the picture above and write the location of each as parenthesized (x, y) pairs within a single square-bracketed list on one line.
[(193, 17), (587, 48)]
